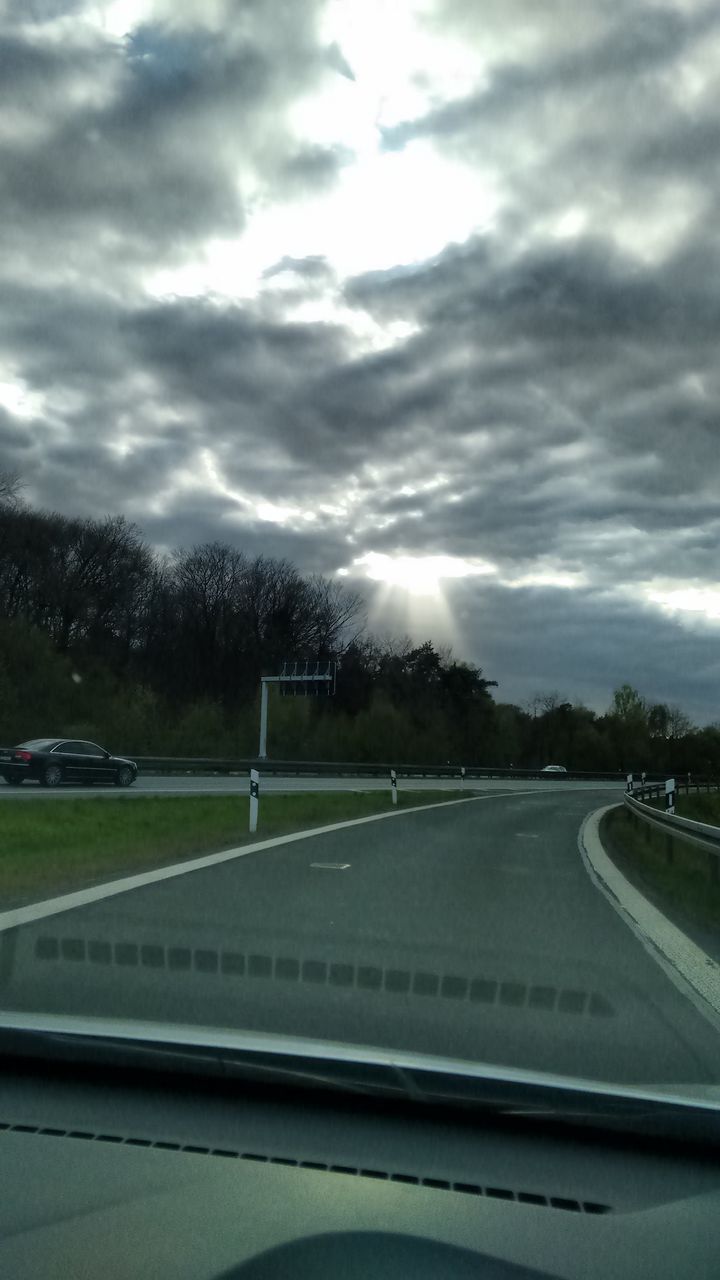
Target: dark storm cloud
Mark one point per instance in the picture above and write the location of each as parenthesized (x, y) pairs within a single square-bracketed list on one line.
[(36, 72), (584, 293), (127, 149), (585, 644), (122, 168), (603, 356), (201, 519), (295, 386), (14, 441), (312, 168), (62, 337), (39, 11), (255, 385), (313, 268), (198, 346)]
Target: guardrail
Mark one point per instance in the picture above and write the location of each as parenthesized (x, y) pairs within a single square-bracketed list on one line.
[(688, 783), (700, 833), (334, 768)]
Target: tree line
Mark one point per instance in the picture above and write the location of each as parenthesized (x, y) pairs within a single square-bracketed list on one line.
[(102, 637)]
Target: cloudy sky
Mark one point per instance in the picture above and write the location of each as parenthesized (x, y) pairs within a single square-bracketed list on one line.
[(421, 292)]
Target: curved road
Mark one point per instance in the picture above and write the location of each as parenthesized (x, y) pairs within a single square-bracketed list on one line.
[(472, 930)]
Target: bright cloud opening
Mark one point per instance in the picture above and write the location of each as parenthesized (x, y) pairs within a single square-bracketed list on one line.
[(697, 600), (411, 591), (417, 575)]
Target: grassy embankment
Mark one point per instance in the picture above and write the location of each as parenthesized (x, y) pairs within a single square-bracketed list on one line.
[(682, 879), (61, 844)]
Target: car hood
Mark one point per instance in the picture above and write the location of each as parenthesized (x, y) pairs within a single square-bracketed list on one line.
[(283, 1060)]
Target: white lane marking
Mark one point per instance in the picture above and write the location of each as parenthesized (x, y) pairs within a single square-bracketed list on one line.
[(331, 866), (111, 888), (691, 969), (526, 835)]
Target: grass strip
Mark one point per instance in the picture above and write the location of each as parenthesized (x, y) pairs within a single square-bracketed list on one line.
[(58, 845), (703, 806), (682, 880)]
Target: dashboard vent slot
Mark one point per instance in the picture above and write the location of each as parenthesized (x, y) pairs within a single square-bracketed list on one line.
[(411, 1179)]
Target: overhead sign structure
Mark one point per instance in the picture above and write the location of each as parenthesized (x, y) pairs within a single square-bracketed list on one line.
[(301, 677), (306, 679)]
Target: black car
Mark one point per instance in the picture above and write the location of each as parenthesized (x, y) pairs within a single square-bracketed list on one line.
[(52, 761)]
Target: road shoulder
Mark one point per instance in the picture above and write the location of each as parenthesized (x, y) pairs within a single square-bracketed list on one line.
[(691, 969)]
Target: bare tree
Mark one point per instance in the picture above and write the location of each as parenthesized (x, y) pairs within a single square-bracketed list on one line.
[(10, 486), (336, 617), (679, 724)]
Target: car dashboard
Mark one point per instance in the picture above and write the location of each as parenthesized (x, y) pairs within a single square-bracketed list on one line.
[(137, 1173)]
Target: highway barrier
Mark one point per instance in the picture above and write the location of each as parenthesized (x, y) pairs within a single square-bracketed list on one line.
[(639, 802), (150, 765)]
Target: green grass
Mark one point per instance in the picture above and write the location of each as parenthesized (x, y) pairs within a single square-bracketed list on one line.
[(57, 845), (682, 879), (703, 806)]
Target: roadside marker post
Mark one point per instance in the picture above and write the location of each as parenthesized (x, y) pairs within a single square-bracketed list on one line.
[(393, 784), (254, 798), (670, 795), (462, 777), (629, 786)]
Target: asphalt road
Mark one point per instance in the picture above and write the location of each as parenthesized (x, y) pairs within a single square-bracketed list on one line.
[(188, 785), (472, 930)]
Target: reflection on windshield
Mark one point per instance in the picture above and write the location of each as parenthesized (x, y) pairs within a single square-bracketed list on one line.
[(494, 1007)]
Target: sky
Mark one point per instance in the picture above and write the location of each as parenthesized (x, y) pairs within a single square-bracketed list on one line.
[(423, 294)]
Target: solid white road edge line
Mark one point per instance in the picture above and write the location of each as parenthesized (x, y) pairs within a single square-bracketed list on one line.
[(692, 970), (82, 897)]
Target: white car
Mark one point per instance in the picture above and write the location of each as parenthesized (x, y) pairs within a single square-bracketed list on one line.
[(554, 768)]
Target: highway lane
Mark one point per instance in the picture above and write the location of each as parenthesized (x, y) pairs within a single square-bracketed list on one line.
[(197, 785), (471, 930)]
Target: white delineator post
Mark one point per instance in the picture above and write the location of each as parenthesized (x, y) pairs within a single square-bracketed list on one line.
[(254, 798), (462, 777), (670, 795), (393, 785)]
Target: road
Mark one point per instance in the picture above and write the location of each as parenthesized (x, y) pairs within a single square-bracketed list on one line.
[(198, 785), (472, 930)]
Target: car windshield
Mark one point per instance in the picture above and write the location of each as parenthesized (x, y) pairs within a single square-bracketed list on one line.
[(359, 480)]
